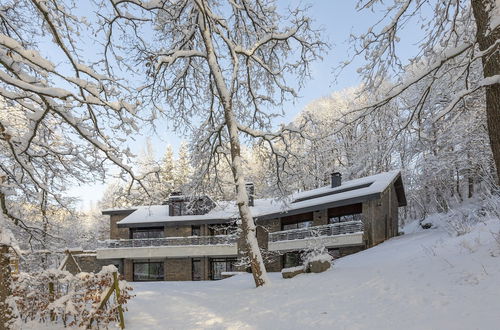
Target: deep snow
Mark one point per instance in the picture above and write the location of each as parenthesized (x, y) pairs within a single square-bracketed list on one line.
[(423, 280)]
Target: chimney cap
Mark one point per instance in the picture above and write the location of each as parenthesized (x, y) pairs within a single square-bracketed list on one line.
[(336, 180)]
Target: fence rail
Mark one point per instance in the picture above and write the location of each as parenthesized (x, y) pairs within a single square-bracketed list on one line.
[(171, 241), (317, 231)]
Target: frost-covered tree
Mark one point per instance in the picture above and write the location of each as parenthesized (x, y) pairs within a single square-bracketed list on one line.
[(183, 168), (454, 35), (218, 63), (61, 117), (167, 172)]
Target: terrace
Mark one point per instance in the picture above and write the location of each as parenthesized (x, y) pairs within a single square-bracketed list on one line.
[(337, 234), (192, 246), (332, 235)]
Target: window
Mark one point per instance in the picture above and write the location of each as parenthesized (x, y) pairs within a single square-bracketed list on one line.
[(196, 270), (221, 229), (195, 231), (291, 259), (148, 271), (335, 253), (220, 265), (345, 218), (298, 225), (141, 233)]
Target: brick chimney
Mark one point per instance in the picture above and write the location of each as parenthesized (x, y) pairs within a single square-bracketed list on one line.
[(251, 192), (336, 179), (176, 203)]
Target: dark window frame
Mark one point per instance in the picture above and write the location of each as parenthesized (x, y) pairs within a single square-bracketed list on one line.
[(297, 256), (148, 230), (297, 225), (228, 261), (162, 266), (345, 218), (195, 230)]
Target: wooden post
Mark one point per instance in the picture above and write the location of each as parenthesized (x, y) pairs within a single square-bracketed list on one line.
[(51, 299), (6, 313), (120, 309), (114, 288)]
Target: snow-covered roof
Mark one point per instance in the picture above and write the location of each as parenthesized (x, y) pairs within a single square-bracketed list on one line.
[(118, 210), (349, 192)]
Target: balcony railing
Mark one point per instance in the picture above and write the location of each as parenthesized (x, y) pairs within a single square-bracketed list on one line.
[(171, 241), (317, 231)]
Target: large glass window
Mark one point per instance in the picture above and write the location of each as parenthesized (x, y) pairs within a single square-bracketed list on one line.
[(220, 265), (291, 259), (148, 271), (302, 224), (345, 218), (141, 233)]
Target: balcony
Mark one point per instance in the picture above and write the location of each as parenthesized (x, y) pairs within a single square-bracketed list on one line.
[(337, 234), (192, 246)]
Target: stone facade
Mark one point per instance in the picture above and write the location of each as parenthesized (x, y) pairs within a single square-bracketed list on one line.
[(88, 263), (178, 231), (320, 217), (178, 269), (114, 231), (380, 218)]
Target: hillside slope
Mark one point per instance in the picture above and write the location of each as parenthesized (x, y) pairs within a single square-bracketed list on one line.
[(423, 280)]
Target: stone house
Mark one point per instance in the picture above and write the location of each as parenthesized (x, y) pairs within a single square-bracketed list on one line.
[(195, 239)]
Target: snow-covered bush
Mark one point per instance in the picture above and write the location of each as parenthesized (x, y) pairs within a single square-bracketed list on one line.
[(316, 255), (464, 217), (73, 300)]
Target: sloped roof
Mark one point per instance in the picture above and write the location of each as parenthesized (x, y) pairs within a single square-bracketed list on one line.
[(350, 192)]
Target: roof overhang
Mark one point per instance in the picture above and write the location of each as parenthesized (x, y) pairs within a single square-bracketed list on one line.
[(175, 223), (318, 207), (117, 212)]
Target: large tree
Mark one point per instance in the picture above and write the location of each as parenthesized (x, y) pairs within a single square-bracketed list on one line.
[(60, 118), (222, 64), (452, 35)]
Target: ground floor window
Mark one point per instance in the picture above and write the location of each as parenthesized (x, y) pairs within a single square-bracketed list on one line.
[(291, 259), (335, 253), (148, 271), (220, 265)]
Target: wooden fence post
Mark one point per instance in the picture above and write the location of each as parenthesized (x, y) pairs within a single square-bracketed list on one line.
[(114, 288), (6, 313), (51, 299), (120, 309)]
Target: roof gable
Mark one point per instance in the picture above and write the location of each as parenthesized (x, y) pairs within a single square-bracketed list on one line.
[(349, 192)]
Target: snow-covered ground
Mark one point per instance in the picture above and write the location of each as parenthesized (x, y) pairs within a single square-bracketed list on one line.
[(423, 280)]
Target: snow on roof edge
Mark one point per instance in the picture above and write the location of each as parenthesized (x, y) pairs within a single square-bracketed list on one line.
[(158, 214)]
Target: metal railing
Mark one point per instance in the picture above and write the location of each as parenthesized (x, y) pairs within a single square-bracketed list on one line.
[(341, 228), (171, 241)]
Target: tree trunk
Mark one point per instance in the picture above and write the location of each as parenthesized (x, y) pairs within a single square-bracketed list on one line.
[(6, 313), (247, 223), (482, 10)]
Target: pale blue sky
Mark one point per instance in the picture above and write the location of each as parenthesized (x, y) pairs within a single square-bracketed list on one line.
[(339, 19)]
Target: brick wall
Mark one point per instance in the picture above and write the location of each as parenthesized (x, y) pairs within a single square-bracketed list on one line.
[(114, 231), (178, 231), (380, 218), (128, 270), (320, 217), (178, 269)]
